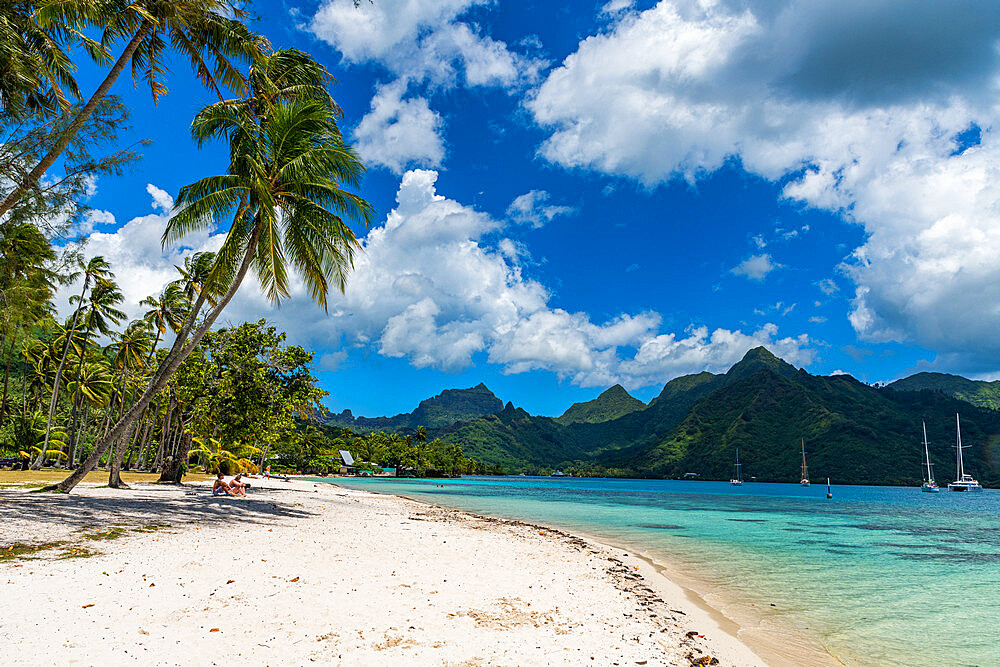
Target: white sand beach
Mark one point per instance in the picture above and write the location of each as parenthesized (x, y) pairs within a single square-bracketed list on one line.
[(304, 573)]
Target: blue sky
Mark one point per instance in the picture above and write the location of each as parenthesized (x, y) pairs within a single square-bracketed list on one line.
[(574, 194)]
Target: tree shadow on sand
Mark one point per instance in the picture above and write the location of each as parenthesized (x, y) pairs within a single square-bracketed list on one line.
[(44, 516)]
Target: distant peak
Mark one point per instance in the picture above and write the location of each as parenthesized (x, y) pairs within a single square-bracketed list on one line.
[(616, 390), (757, 359), (760, 353)]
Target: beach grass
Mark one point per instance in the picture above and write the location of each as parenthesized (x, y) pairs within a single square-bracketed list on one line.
[(38, 478)]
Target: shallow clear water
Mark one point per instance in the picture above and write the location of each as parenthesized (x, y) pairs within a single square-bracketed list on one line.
[(879, 575)]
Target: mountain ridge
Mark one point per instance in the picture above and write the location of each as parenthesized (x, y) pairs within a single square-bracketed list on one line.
[(853, 432), (612, 403)]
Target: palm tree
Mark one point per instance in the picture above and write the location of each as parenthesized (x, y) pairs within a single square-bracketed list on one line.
[(209, 32), (26, 287), (101, 313), (170, 309), (99, 271), (194, 276), (285, 181), (35, 72), (91, 385), (128, 353)]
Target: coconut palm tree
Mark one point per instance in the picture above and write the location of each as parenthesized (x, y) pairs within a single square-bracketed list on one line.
[(98, 315), (36, 74), (169, 309), (26, 287), (100, 312), (128, 354), (92, 385), (285, 182), (96, 270), (210, 33), (194, 276)]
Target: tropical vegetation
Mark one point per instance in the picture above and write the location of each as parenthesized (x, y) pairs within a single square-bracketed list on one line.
[(167, 389)]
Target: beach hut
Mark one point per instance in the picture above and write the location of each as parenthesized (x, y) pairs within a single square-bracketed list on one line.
[(348, 467)]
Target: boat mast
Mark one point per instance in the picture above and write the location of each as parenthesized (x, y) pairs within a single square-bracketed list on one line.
[(805, 471), (958, 446), (739, 470), (930, 476)]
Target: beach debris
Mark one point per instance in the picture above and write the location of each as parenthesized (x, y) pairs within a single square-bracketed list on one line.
[(231, 581), (214, 630), (88, 606), (152, 585), (293, 580)]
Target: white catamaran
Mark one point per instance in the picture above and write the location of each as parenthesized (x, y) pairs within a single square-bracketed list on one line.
[(928, 486), (963, 481), (738, 480), (805, 470)]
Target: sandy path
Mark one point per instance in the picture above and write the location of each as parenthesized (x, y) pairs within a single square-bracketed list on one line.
[(305, 573)]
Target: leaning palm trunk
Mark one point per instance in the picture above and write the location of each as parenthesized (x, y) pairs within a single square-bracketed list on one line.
[(29, 181), (171, 362)]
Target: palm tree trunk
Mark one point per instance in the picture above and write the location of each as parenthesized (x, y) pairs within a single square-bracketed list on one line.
[(6, 379), (150, 425), (78, 435), (174, 472), (115, 467), (73, 423), (105, 421), (75, 409), (37, 465), (57, 149), (24, 394), (164, 449), (169, 365)]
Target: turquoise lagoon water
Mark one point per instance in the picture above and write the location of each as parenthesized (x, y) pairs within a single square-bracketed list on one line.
[(878, 575)]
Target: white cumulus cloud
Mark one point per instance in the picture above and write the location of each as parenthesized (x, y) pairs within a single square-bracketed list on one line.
[(435, 286), (755, 267), (422, 40), (399, 133), (845, 103)]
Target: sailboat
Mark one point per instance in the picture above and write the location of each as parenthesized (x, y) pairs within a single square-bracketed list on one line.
[(738, 480), (963, 481), (928, 486), (805, 470)]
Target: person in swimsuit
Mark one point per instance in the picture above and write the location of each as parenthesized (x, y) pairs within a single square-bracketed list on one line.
[(220, 488), (238, 487)]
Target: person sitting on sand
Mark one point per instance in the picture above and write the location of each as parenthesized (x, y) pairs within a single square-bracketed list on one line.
[(238, 487), (221, 488)]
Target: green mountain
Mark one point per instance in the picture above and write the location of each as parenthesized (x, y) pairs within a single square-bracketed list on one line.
[(611, 404), (448, 407), (978, 392), (853, 433), (514, 439)]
